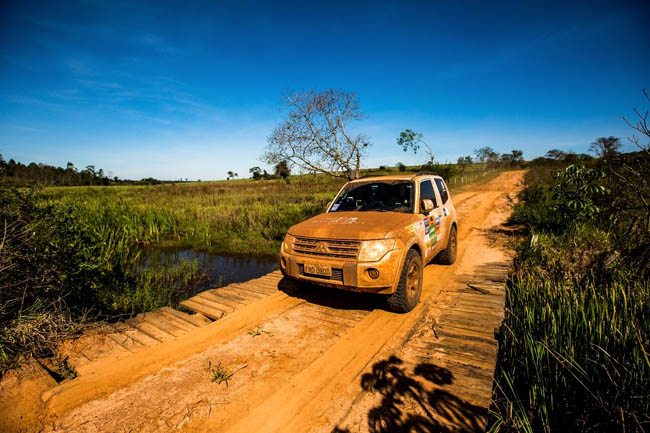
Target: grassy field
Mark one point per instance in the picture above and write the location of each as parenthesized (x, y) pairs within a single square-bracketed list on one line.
[(235, 217)]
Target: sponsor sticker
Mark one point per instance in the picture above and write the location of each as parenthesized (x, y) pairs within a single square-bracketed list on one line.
[(334, 206), (426, 230), (445, 212)]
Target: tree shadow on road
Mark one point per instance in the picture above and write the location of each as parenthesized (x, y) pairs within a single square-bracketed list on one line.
[(432, 409)]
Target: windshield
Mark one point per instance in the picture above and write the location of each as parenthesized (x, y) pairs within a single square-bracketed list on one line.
[(386, 196)]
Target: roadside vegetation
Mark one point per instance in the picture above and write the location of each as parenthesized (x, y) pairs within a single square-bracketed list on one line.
[(574, 349)]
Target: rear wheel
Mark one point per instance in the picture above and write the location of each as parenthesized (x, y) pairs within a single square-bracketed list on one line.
[(407, 295), (448, 255)]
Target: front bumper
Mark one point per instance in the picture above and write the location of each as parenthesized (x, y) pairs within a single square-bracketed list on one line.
[(346, 274)]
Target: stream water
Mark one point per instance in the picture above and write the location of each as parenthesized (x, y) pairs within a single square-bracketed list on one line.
[(218, 269)]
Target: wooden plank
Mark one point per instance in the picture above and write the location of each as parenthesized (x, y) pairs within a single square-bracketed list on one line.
[(245, 295), (196, 320), (270, 284), (236, 300), (203, 309), (468, 336), (150, 331), (435, 356), (220, 302), (473, 308), (119, 343), (460, 322), (258, 288), (213, 303), (179, 323), (488, 320), (247, 291), (160, 322), (135, 335)]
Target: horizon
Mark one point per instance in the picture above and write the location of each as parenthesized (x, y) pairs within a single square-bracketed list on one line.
[(157, 90)]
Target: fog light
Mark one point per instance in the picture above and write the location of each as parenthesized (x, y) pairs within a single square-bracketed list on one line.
[(284, 262), (374, 273)]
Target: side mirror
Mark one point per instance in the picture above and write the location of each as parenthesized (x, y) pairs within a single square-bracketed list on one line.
[(426, 205)]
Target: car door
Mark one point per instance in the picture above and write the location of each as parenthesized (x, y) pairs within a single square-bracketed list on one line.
[(444, 213), (431, 221)]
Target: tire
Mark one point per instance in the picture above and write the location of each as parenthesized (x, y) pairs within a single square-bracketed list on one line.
[(409, 288), (448, 255)]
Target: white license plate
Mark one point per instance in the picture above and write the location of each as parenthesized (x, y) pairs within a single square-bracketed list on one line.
[(314, 269)]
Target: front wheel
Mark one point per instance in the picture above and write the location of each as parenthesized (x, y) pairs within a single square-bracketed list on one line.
[(448, 255), (407, 295)]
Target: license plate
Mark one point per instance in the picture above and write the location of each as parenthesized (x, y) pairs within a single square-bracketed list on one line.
[(314, 269)]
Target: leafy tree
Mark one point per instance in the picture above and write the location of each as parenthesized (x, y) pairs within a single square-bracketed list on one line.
[(3, 167), (282, 170), (400, 166), (606, 147), (555, 154), (256, 172), (231, 175), (513, 159), (576, 190), (484, 153), (463, 162), (316, 135), (409, 139)]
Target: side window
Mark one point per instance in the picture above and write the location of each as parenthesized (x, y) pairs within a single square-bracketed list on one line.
[(442, 189), (426, 192)]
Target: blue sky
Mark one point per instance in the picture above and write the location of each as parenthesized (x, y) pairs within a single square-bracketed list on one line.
[(190, 89)]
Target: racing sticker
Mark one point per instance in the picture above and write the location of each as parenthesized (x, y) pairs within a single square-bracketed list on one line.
[(430, 231), (437, 230), (334, 207), (427, 238), (445, 212)]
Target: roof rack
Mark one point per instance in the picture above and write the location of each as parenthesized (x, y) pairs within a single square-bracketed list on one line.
[(422, 173)]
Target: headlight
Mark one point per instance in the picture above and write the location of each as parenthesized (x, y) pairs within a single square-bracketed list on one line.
[(287, 243), (372, 251)]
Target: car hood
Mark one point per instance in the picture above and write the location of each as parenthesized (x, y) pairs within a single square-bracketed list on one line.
[(351, 225)]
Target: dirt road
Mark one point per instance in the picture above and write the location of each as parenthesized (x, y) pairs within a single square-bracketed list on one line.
[(308, 359)]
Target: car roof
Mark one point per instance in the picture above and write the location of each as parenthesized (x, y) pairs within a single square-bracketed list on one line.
[(410, 176)]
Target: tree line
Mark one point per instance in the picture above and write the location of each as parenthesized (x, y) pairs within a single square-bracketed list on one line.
[(44, 174)]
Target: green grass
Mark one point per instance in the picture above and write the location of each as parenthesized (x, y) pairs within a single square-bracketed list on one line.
[(236, 217), (575, 343)]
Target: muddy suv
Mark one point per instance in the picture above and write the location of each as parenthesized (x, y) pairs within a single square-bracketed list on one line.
[(376, 236)]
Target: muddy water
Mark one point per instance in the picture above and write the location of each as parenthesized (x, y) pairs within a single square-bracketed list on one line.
[(218, 269)]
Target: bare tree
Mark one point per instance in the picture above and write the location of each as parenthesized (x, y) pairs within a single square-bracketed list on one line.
[(636, 171), (316, 137), (409, 138), (641, 126)]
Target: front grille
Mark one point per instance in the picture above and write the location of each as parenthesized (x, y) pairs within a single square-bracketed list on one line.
[(337, 274), (326, 248)]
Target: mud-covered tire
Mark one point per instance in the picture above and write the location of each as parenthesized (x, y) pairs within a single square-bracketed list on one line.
[(409, 288), (448, 255)]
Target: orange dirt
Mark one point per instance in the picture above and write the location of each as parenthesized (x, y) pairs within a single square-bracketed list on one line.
[(303, 372)]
